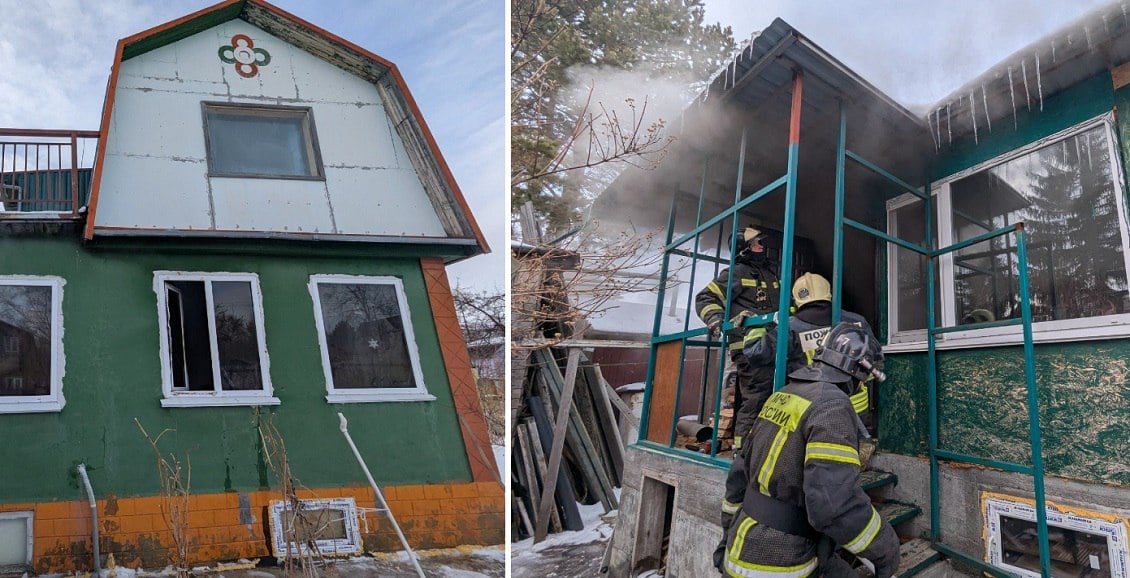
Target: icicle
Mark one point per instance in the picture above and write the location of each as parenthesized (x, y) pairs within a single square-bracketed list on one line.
[(1053, 51), (1087, 33), (1090, 161), (930, 121), (949, 125), (1027, 95), (973, 117), (985, 101), (1039, 83), (938, 123), (1012, 93)]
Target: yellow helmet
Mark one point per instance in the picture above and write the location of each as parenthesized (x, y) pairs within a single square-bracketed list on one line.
[(750, 233), (811, 287)]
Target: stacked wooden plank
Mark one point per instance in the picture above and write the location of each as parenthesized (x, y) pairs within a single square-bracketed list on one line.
[(565, 403)]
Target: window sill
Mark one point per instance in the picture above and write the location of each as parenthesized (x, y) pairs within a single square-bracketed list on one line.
[(378, 396), (214, 400), (15, 405), (1047, 332)]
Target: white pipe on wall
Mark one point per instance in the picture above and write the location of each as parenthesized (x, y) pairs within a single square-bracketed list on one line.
[(93, 513)]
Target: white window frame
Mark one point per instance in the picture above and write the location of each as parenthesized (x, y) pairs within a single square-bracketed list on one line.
[(1057, 517), (54, 401), (419, 393), (1061, 330), (315, 169), (29, 517), (348, 546), (177, 397)]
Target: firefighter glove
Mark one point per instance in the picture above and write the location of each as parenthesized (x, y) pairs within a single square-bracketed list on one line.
[(714, 323)]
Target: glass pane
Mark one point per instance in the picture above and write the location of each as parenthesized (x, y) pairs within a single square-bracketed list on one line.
[(236, 335), (910, 269), (256, 143), (13, 542), (365, 336), (25, 340), (1064, 193)]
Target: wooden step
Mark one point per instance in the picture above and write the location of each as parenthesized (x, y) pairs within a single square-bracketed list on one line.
[(873, 479), (917, 555), (895, 512)]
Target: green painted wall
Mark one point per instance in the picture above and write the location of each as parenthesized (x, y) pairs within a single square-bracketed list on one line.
[(1083, 387), (113, 375), (1084, 395)]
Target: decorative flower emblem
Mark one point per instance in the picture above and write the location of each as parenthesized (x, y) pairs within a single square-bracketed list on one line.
[(243, 54)]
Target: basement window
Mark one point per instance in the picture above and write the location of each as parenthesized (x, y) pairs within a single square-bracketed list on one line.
[(1081, 543), (212, 347), (31, 344), (261, 142), (368, 347), (16, 535), (330, 525)]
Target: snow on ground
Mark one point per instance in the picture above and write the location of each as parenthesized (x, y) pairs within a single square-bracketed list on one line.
[(566, 554), (461, 562)]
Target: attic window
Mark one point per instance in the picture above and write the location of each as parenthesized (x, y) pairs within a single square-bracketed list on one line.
[(261, 142)]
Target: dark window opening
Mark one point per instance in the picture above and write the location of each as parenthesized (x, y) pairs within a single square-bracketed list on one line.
[(1074, 553), (191, 337)]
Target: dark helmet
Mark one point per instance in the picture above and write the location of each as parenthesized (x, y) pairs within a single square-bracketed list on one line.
[(848, 353)]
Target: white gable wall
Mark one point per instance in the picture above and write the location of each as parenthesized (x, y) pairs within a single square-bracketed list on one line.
[(155, 170)]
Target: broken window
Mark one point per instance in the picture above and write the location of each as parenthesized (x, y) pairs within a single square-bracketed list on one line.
[(30, 344), (261, 141), (212, 341), (368, 348), (315, 527), (1067, 191)]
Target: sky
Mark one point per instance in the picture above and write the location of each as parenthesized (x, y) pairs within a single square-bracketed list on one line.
[(915, 51), (55, 57)]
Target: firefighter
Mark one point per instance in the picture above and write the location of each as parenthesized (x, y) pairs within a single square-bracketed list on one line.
[(754, 290), (802, 463), (812, 297)]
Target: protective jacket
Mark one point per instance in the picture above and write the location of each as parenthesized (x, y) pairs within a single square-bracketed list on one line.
[(807, 329), (802, 465), (755, 287)]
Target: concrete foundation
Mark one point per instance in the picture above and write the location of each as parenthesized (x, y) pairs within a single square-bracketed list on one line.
[(697, 487), (962, 519), (694, 520)]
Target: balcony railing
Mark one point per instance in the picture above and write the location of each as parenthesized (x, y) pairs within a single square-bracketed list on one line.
[(45, 173)]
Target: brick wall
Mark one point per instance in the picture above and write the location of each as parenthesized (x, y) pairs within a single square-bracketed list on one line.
[(233, 525)]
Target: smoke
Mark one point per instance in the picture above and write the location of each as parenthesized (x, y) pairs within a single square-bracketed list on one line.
[(643, 103)]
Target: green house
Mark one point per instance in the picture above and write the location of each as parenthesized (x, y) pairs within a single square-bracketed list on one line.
[(253, 242), (1003, 305)]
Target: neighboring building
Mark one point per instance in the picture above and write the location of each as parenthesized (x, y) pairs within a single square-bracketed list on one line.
[(1041, 139), (262, 240)]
